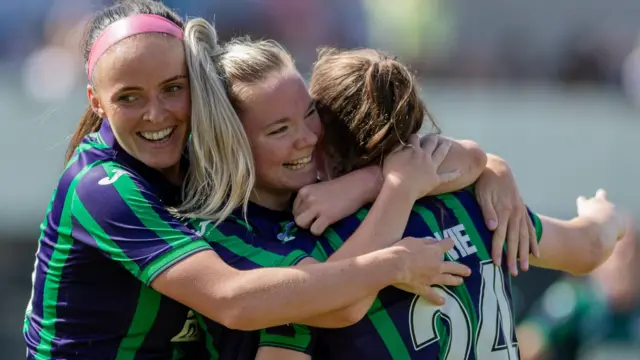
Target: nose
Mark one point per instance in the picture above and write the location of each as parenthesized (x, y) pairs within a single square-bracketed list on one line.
[(155, 111), (307, 137)]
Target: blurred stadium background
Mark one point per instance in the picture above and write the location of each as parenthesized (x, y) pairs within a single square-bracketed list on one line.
[(553, 86)]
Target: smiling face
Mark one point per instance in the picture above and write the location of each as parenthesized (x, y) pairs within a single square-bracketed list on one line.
[(141, 86), (283, 128)]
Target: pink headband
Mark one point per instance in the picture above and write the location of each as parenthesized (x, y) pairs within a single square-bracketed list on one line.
[(129, 26)]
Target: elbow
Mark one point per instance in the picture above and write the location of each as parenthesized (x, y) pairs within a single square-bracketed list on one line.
[(235, 319), (231, 310), (352, 314), (478, 156), (476, 161)]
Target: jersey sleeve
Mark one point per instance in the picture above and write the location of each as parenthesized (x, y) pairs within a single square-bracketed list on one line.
[(300, 338), (240, 247), (115, 212), (537, 224)]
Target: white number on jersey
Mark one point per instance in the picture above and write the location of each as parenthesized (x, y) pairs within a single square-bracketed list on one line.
[(495, 319)]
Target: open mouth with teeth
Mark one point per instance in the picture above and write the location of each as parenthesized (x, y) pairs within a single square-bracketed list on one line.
[(298, 164), (157, 136)]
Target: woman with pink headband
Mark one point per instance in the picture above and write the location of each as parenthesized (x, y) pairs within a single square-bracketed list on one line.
[(116, 272)]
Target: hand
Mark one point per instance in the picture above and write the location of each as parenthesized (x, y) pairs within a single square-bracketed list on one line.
[(415, 168), (613, 221), (506, 214), (425, 266), (319, 205)]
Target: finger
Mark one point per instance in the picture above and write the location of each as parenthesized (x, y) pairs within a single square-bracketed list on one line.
[(431, 295), (445, 245), (430, 240), (305, 219), (533, 238), (449, 176), (441, 151), (453, 268), (524, 243), (601, 194), (499, 235), (296, 204), (580, 201), (319, 226), (448, 280), (429, 145), (488, 212), (512, 245)]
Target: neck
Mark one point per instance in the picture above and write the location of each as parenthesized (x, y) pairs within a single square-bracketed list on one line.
[(274, 200), (173, 174)]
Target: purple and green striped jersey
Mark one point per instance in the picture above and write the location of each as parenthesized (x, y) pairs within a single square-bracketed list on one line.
[(106, 236), (256, 240), (476, 321)]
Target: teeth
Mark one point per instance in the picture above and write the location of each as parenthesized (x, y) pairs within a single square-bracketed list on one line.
[(157, 135), (298, 164)]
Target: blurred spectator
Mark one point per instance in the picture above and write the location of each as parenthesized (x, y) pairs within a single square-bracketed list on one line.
[(597, 317)]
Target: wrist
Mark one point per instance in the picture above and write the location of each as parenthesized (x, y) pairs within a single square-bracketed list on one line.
[(373, 181), (387, 266)]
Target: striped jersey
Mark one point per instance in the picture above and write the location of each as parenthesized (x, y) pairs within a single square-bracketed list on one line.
[(248, 241), (105, 237), (476, 321)]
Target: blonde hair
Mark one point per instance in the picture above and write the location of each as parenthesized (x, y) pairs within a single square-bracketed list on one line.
[(222, 173), (247, 62)]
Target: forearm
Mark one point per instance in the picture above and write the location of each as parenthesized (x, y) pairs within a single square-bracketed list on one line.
[(467, 157), (576, 246), (382, 227), (255, 299)]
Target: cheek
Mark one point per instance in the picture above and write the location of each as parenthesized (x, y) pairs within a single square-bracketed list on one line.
[(123, 121), (180, 105), (268, 157), (316, 127)]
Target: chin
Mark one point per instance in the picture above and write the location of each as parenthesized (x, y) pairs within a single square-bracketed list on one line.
[(162, 164)]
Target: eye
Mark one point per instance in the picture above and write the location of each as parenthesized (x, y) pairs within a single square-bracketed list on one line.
[(128, 98), (279, 130), (312, 111), (173, 88)]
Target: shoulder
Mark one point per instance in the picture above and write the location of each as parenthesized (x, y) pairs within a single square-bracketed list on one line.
[(109, 187)]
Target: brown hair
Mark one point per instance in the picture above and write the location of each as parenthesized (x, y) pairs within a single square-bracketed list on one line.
[(368, 103), (90, 121)]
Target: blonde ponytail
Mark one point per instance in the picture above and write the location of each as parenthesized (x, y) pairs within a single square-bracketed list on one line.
[(221, 174)]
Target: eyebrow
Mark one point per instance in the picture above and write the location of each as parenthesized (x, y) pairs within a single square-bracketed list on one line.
[(312, 103), (173, 78)]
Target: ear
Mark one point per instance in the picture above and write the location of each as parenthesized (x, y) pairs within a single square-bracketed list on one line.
[(94, 101)]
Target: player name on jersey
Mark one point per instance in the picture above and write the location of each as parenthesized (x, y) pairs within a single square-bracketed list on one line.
[(462, 243)]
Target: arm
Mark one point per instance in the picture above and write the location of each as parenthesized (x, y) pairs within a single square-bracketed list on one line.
[(319, 205), (581, 244), (254, 299), (272, 353), (465, 156), (134, 229), (576, 246), (387, 219)]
